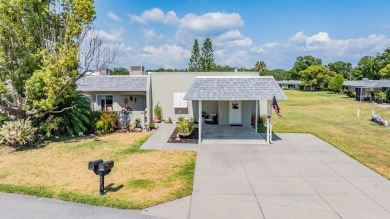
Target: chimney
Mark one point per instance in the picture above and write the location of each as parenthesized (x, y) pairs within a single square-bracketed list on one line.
[(137, 70)]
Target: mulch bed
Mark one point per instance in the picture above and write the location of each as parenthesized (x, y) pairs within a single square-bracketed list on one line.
[(192, 139)]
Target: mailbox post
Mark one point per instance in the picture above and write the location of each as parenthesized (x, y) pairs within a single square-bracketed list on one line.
[(101, 168)]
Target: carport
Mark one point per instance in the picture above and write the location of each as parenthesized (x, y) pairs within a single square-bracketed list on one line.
[(239, 98)]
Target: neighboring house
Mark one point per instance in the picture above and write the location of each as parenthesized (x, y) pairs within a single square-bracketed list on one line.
[(364, 87), (233, 97), (289, 84)]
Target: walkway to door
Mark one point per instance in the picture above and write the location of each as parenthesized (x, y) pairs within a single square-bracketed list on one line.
[(224, 134)]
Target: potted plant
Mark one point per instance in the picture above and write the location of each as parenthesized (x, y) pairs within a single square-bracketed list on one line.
[(157, 113), (185, 127), (137, 125), (380, 96), (152, 126)]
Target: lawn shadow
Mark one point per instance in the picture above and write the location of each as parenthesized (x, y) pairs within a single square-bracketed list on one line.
[(110, 188)]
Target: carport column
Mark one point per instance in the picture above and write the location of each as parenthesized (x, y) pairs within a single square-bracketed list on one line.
[(256, 114), (200, 122), (269, 121)]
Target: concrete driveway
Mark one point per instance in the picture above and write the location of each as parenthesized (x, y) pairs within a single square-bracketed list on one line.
[(300, 176)]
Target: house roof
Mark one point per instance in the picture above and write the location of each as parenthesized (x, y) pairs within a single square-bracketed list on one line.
[(294, 82), (368, 83), (235, 88), (113, 83)]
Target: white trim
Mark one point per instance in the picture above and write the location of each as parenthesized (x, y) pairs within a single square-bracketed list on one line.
[(256, 114), (234, 77), (200, 122), (98, 103)]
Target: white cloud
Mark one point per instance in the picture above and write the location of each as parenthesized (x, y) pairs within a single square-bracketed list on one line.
[(209, 23), (321, 45), (113, 16), (155, 15), (149, 33), (114, 35), (213, 22), (232, 38), (166, 55)]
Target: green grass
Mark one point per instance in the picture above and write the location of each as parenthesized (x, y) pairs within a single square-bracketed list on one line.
[(332, 117), (135, 147), (140, 183), (139, 179)]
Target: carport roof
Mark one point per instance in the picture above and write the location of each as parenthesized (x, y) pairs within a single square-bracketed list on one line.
[(235, 88)]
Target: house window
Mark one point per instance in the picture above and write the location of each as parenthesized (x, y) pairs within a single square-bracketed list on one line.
[(105, 102), (179, 104), (178, 101)]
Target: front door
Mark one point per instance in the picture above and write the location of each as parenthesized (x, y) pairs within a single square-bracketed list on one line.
[(235, 112)]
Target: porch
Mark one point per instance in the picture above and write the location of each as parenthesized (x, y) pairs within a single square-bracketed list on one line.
[(236, 99), (226, 134)]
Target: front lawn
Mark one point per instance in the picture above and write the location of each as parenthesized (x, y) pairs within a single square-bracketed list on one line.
[(332, 117), (60, 170)]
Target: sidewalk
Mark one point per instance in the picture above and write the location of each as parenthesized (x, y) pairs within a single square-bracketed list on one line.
[(158, 141), (21, 206)]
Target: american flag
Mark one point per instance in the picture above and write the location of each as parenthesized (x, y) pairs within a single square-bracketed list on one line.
[(276, 107)]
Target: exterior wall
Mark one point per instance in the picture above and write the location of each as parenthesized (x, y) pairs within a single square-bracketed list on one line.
[(118, 100), (263, 107), (223, 112), (246, 113), (164, 84), (210, 106)]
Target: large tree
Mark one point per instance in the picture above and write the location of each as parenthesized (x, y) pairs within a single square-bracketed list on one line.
[(194, 64), (336, 83), (301, 64), (207, 56), (317, 76), (45, 47), (385, 72), (260, 67), (342, 68), (367, 68), (120, 71), (278, 74)]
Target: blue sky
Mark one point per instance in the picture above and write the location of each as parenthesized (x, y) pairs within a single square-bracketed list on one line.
[(160, 33)]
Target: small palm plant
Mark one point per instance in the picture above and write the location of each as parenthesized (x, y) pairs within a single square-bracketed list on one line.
[(157, 113), (17, 134)]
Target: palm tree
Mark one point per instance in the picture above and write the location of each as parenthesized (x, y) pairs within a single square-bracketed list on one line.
[(260, 66)]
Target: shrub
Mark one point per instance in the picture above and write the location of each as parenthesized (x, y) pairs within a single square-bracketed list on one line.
[(107, 123), (169, 120), (388, 96), (3, 119), (75, 119), (380, 96), (186, 126), (152, 125), (17, 134), (94, 117), (137, 123), (180, 119)]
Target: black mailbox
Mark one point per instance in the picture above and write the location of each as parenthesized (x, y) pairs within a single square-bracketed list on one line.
[(105, 166), (94, 165), (101, 168)]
